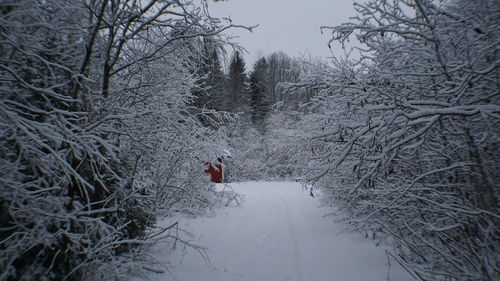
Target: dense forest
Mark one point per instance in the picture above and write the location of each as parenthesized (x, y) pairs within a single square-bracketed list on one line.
[(110, 108)]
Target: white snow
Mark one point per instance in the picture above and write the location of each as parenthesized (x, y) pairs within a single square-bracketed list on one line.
[(279, 233)]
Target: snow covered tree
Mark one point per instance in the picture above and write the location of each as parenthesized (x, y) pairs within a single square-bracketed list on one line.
[(408, 148), (210, 92), (96, 132), (282, 69)]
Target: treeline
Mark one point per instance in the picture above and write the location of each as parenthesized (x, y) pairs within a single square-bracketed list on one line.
[(250, 92), (98, 135), (261, 103)]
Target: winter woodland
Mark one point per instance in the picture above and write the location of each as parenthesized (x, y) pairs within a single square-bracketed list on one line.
[(110, 110)]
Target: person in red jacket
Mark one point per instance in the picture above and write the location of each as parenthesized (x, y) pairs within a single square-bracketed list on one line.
[(215, 171)]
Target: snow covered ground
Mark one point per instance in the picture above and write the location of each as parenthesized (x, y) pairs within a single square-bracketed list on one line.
[(278, 234)]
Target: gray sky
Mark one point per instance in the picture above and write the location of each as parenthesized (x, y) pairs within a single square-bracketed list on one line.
[(292, 26)]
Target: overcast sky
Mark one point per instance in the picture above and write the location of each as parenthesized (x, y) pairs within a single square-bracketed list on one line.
[(292, 26)]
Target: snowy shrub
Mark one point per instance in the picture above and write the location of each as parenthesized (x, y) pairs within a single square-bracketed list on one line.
[(405, 138), (270, 155), (285, 158), (248, 152), (95, 132)]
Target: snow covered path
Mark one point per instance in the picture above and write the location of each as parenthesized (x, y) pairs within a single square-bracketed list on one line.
[(278, 234)]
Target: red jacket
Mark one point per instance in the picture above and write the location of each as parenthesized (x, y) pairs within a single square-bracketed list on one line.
[(215, 171)]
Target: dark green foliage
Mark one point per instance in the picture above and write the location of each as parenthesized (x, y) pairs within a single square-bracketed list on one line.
[(259, 94), (236, 83)]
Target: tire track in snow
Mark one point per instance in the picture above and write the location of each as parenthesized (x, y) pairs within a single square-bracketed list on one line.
[(294, 241), (251, 243)]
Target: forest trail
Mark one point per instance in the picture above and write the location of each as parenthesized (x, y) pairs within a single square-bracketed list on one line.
[(278, 234)]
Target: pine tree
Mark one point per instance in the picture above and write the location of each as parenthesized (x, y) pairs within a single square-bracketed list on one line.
[(259, 94), (216, 82), (236, 83), (210, 93)]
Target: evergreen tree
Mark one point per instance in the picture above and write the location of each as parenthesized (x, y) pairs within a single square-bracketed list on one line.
[(236, 82), (210, 93), (216, 82), (259, 94)]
